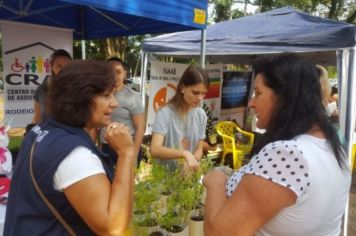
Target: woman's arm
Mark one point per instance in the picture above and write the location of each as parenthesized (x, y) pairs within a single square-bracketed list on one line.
[(139, 123), (255, 201), (106, 207), (198, 152), (161, 152)]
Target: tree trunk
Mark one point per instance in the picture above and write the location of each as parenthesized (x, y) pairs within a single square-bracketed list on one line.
[(351, 18), (116, 47), (335, 9)]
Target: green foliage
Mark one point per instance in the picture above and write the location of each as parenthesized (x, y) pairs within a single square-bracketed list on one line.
[(223, 10), (332, 72), (128, 48), (210, 131), (344, 10), (183, 189), (145, 198), (15, 143)]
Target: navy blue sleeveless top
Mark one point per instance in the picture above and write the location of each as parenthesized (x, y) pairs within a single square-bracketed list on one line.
[(26, 212)]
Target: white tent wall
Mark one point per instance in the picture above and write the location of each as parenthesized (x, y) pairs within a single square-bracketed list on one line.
[(346, 62)]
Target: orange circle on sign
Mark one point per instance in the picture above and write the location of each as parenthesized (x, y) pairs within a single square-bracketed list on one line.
[(160, 99)]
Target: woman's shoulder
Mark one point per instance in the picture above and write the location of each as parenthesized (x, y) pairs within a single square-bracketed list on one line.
[(281, 147), (129, 91), (166, 110), (200, 111), (283, 163)]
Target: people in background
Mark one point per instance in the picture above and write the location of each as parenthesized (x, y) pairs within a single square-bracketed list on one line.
[(179, 127), (67, 165), (299, 180), (58, 60), (332, 109), (324, 85), (130, 111)]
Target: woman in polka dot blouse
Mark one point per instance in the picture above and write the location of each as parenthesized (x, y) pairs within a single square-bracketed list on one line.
[(298, 181)]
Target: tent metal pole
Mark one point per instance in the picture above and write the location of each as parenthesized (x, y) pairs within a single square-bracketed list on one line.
[(347, 107), (144, 63), (202, 48), (83, 46), (82, 29), (110, 19)]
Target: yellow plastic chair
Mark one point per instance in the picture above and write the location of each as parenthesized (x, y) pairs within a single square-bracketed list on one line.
[(239, 148)]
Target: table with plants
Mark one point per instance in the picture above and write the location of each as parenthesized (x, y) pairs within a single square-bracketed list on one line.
[(169, 202)]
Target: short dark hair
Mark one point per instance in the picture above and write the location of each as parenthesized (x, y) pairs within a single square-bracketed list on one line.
[(118, 60), (333, 90), (193, 75), (73, 91), (59, 53), (299, 106)]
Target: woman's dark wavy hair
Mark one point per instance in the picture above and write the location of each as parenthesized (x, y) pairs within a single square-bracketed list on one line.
[(295, 81), (193, 75), (73, 91)]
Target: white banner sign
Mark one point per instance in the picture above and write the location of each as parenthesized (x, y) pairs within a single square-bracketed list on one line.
[(164, 79), (26, 49)]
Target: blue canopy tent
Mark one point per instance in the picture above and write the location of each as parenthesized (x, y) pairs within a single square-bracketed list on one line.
[(280, 30), (322, 40), (92, 19)]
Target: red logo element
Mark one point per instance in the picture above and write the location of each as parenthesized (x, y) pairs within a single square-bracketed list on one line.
[(160, 99), (4, 185), (17, 66)]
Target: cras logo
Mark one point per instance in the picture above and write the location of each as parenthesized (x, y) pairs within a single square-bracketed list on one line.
[(27, 70), (161, 97), (33, 65)]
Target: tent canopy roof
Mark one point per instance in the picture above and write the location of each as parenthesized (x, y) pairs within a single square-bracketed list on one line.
[(279, 30), (92, 19)]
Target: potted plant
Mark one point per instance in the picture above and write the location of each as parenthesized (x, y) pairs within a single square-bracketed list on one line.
[(186, 196), (145, 208), (167, 198)]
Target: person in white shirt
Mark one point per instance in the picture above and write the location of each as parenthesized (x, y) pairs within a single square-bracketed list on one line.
[(298, 181)]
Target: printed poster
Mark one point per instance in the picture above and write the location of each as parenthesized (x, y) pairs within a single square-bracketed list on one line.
[(235, 94), (26, 49)]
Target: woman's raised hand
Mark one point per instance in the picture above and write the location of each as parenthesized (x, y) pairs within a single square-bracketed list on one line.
[(119, 138)]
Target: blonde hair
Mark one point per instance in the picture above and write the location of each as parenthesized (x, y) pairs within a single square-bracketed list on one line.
[(324, 84)]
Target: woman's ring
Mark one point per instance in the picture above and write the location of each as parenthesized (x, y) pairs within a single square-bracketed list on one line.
[(113, 126)]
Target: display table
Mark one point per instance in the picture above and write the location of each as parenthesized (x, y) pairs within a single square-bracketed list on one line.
[(215, 154)]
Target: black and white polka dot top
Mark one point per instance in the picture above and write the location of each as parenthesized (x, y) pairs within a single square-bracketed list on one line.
[(306, 165), (282, 162)]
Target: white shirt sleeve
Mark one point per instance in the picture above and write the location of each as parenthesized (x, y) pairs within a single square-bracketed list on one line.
[(79, 164), (281, 162)]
